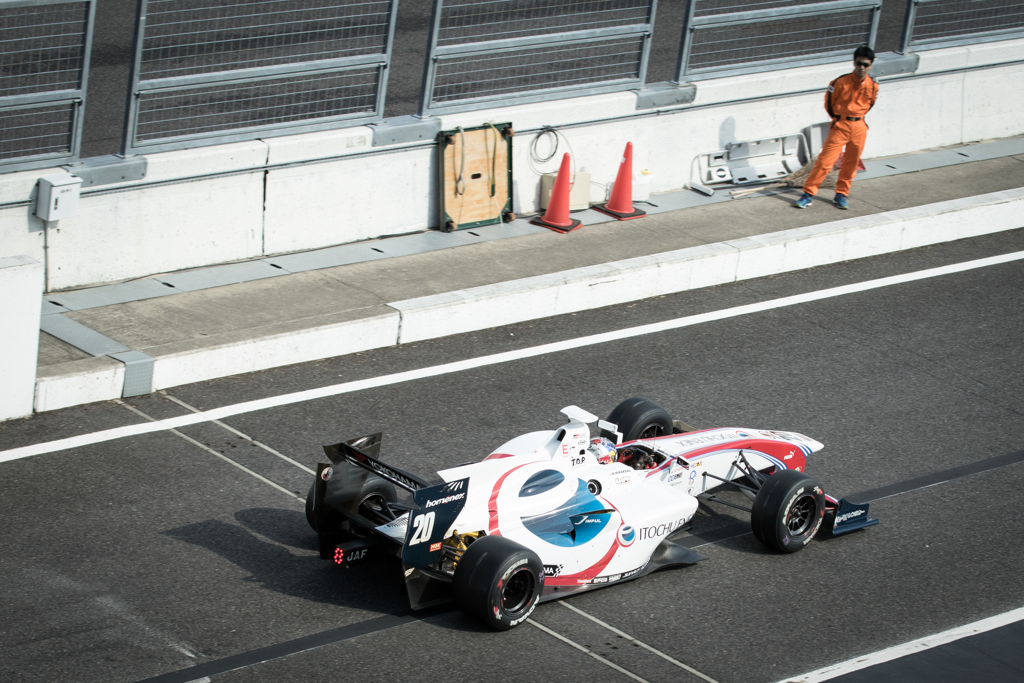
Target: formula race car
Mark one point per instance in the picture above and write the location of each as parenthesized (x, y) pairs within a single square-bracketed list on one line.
[(552, 513)]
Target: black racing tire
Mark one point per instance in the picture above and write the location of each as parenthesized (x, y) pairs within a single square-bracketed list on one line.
[(788, 511), (498, 582), (375, 492), (641, 418)]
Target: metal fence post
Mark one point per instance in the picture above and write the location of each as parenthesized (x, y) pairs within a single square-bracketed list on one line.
[(647, 45), (687, 41), (875, 16), (908, 26), (431, 59)]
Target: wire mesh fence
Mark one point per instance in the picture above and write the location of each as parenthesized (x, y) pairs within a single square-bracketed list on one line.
[(265, 102), (712, 7), (472, 21), (43, 67), (36, 130), (489, 52), (210, 71), (185, 38), (732, 37), (946, 23)]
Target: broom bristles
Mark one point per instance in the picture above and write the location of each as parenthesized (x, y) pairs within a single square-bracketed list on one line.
[(795, 179)]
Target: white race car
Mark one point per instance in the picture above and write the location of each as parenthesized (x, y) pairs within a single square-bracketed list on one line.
[(552, 513)]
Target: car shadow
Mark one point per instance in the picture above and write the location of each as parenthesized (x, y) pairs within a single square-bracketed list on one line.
[(261, 544), (287, 527)]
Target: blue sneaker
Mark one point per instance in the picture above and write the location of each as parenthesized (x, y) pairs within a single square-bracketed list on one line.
[(803, 202), (840, 202)]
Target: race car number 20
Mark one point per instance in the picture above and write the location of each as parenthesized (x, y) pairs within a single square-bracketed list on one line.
[(423, 527)]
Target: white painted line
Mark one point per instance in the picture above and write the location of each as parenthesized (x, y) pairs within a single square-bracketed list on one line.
[(926, 643), (583, 649), (114, 606), (471, 363), (248, 438), (642, 644), (215, 453)]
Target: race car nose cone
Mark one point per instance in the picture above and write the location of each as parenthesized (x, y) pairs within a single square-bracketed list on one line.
[(812, 444)]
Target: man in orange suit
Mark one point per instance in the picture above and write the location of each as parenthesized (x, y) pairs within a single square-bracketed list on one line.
[(848, 100)]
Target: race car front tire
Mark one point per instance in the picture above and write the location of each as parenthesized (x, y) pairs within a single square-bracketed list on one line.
[(498, 582), (787, 511), (640, 418)]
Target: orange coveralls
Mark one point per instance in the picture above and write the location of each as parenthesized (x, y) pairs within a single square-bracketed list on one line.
[(847, 98)]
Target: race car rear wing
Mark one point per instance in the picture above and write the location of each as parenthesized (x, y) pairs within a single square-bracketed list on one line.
[(358, 452), (337, 491)]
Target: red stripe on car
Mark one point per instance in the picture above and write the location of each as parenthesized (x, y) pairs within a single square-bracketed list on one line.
[(492, 504)]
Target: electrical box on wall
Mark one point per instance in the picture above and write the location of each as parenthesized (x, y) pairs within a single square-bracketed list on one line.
[(579, 191), (57, 197)]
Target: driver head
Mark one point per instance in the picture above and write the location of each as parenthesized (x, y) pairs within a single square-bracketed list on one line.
[(603, 450)]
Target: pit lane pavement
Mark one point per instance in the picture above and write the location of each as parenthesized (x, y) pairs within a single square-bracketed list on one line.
[(919, 342)]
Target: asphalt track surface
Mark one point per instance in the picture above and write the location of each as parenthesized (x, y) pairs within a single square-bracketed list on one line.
[(157, 557)]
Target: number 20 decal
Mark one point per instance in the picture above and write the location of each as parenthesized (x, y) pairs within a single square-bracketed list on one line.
[(423, 527)]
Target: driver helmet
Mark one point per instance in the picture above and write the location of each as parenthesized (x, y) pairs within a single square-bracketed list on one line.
[(604, 450)]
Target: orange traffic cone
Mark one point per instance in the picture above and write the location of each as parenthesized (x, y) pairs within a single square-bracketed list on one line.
[(621, 203), (557, 216)]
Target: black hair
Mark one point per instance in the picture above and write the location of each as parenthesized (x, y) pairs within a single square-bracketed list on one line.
[(865, 52)]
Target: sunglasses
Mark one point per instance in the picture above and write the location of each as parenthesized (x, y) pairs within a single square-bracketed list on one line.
[(864, 64)]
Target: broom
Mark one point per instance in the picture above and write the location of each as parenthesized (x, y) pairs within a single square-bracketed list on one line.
[(798, 177)]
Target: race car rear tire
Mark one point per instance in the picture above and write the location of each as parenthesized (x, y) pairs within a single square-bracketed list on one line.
[(498, 582), (374, 492), (787, 511), (641, 418)]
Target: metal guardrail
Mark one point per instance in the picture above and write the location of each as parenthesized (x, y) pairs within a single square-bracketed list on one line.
[(933, 24), (486, 53), (44, 66), (214, 71), (733, 37)]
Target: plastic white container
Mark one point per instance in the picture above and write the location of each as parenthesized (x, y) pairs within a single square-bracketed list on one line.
[(641, 186)]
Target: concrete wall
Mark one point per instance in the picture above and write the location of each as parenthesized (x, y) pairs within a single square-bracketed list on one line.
[(21, 291), (239, 201)]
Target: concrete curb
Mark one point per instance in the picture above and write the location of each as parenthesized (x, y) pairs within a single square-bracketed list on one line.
[(479, 308), (705, 266)]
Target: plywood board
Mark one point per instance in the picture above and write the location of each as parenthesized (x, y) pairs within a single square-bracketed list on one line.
[(475, 185)]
